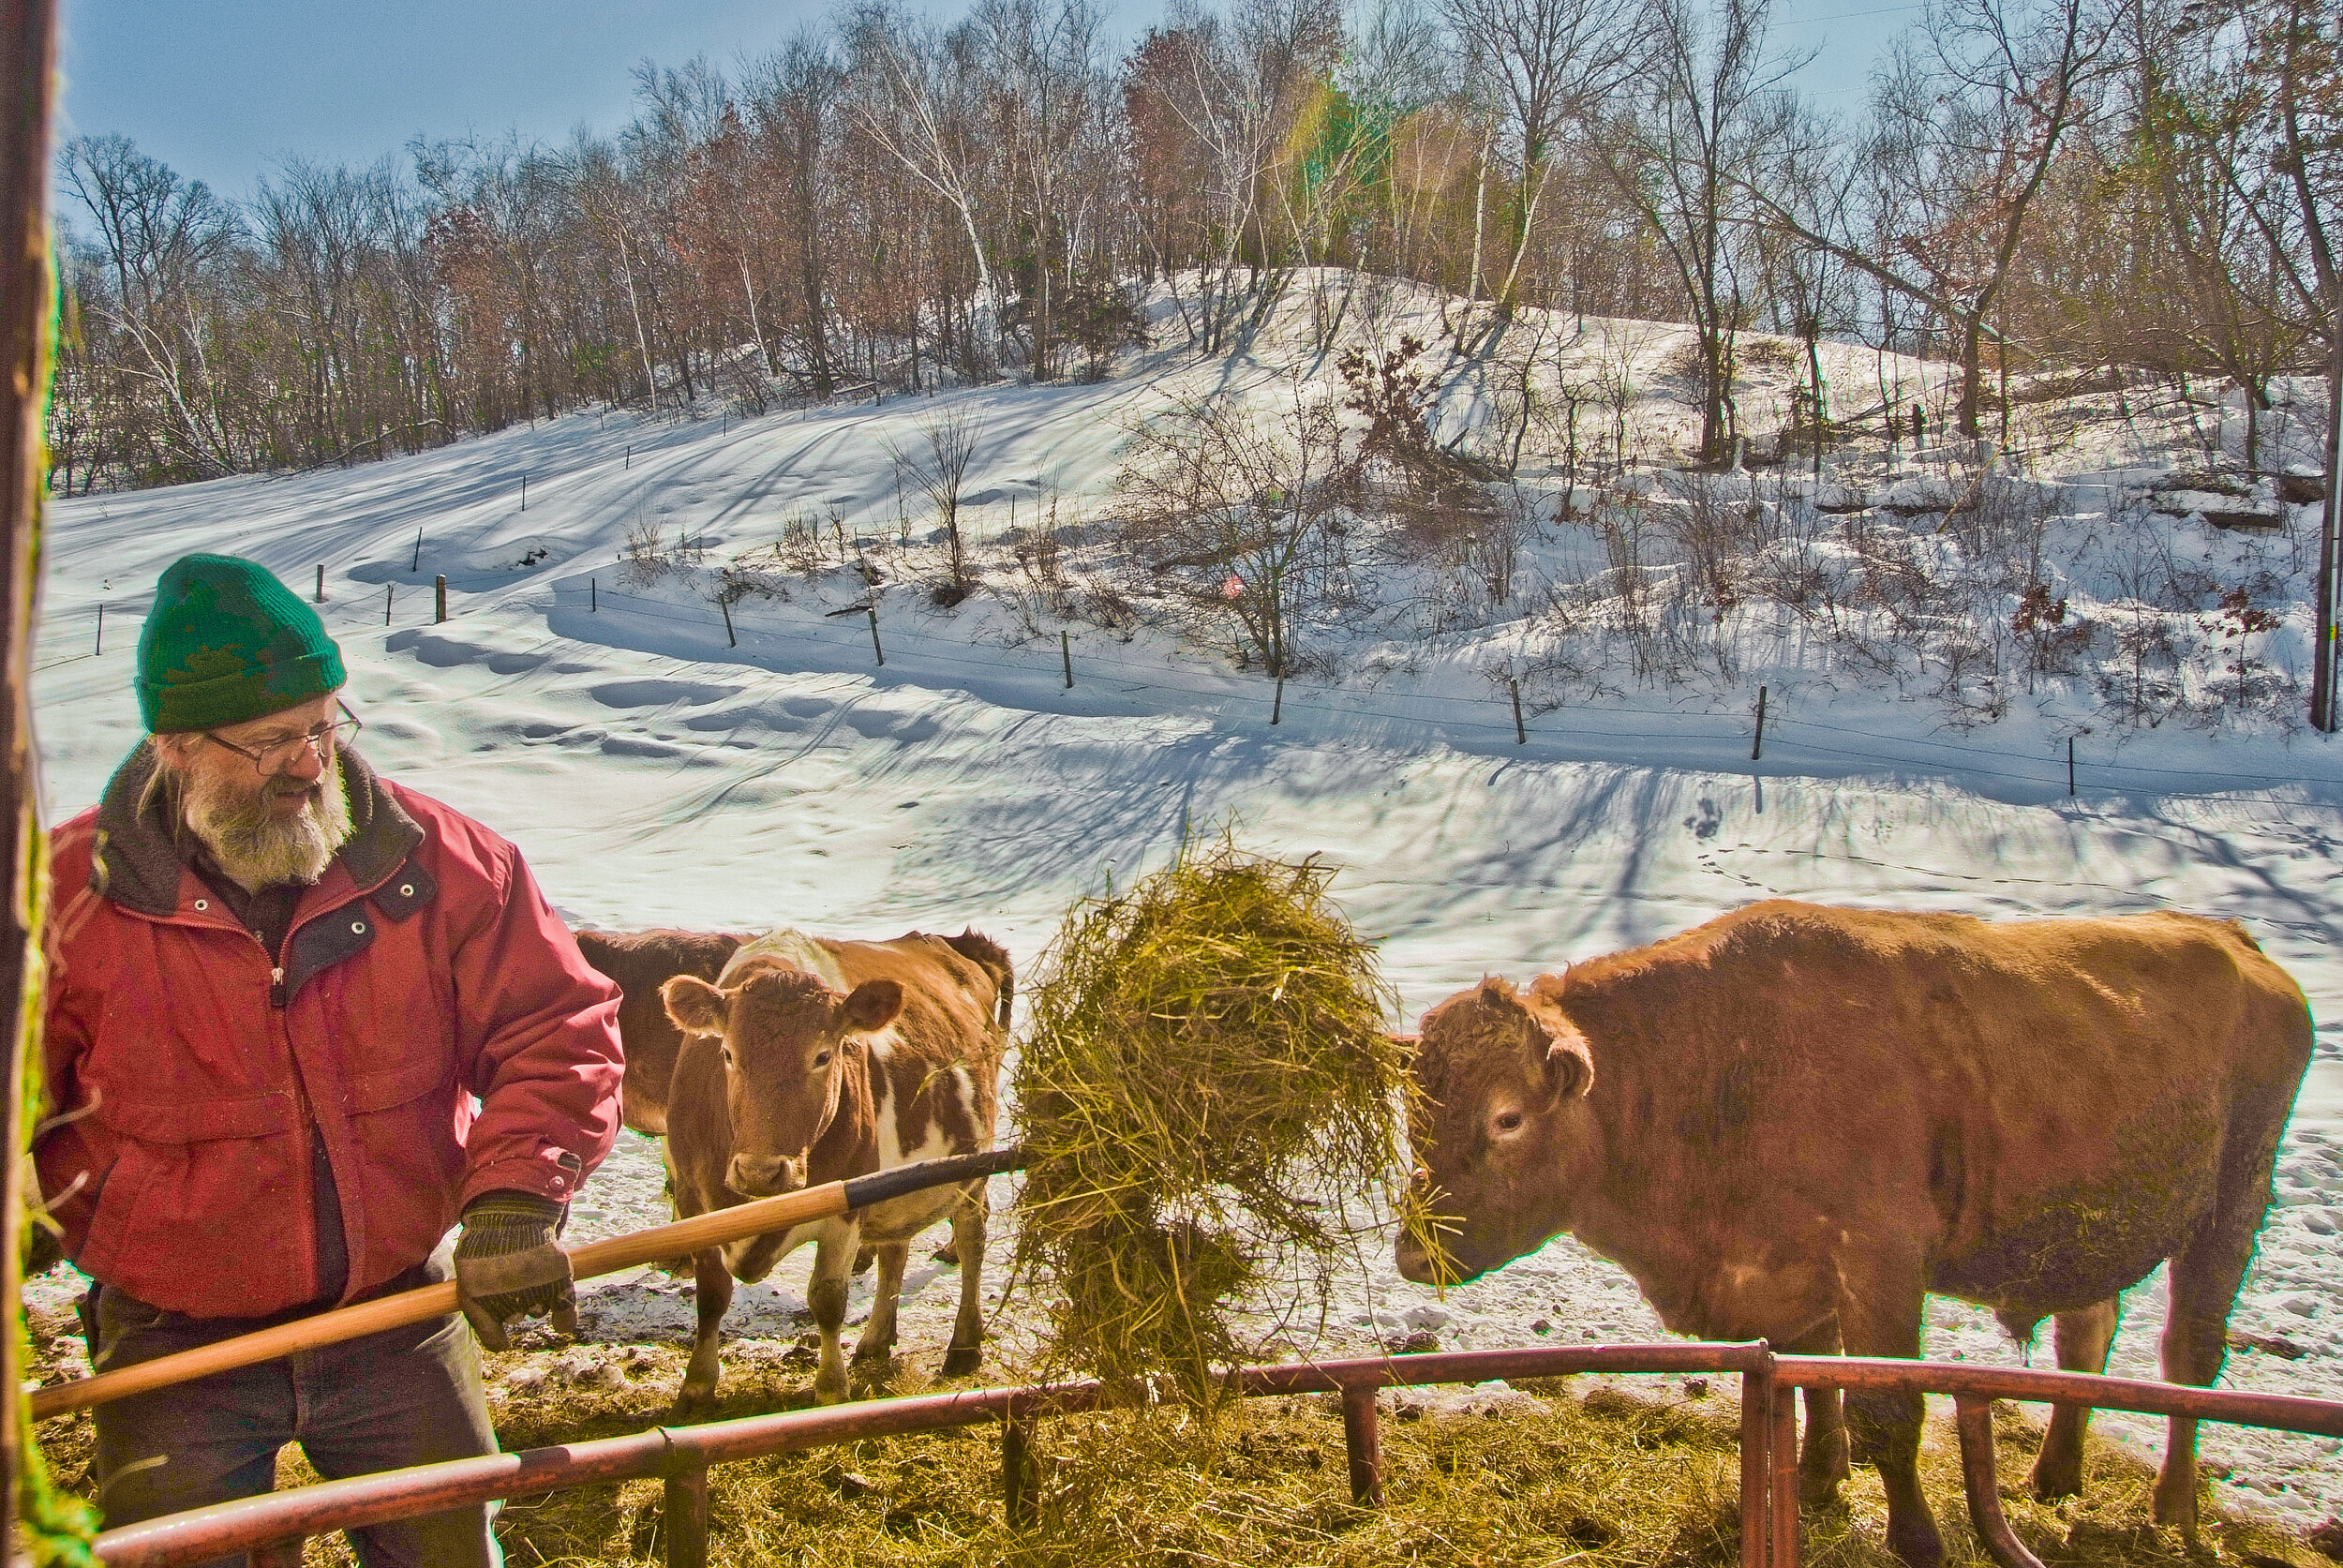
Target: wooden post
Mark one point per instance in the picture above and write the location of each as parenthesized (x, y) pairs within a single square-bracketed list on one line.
[(100, 647), (1020, 1473), (1362, 1443), (629, 458), (438, 599), (876, 651), (2070, 767), (1065, 652), (684, 1513), (594, 595), (1756, 1468), (319, 597), (1757, 752), (28, 41), (1521, 735), (416, 565), (386, 604), (523, 492), (1277, 705), (725, 604), (1782, 1501)]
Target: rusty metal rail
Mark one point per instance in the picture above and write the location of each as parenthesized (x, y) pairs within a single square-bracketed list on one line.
[(272, 1528)]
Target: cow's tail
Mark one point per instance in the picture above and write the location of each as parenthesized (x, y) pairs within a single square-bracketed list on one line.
[(991, 957)]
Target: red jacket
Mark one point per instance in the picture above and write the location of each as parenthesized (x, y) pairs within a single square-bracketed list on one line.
[(422, 970)]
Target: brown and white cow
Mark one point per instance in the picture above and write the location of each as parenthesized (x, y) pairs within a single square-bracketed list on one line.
[(811, 1060), (639, 963), (1793, 1122)]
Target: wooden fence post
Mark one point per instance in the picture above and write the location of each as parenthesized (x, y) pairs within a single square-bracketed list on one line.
[(416, 565), (319, 597), (386, 604), (876, 651), (1757, 752), (101, 646), (438, 599), (725, 604), (28, 73), (1065, 652), (1521, 735)]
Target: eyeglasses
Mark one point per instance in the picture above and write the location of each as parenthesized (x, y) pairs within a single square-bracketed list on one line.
[(277, 756)]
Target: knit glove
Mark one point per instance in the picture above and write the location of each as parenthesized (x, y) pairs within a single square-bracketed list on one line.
[(508, 1266)]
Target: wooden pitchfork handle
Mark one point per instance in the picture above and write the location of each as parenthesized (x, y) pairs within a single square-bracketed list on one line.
[(756, 1219)]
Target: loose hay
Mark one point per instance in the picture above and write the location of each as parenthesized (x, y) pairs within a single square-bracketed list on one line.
[(1211, 1102)]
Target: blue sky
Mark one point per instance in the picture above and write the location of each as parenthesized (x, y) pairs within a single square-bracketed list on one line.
[(226, 90)]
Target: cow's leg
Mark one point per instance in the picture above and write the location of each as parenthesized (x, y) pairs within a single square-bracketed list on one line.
[(834, 1254), (878, 1332), (967, 1351), (2082, 1338), (713, 1296), (1879, 1304), (2203, 1286), (1822, 1464)]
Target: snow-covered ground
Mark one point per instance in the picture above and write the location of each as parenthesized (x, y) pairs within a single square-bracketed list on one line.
[(656, 773)]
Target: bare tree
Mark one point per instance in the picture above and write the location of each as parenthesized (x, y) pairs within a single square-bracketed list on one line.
[(1684, 155), (160, 237), (938, 469), (1228, 507), (1553, 64), (1967, 125)]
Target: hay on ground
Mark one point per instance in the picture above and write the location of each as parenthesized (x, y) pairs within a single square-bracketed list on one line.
[(1211, 1101)]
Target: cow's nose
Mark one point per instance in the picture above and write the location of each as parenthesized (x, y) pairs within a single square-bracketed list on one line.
[(763, 1175), (1414, 1261)]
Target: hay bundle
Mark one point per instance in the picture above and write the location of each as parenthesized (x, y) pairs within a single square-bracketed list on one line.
[(1210, 1100)]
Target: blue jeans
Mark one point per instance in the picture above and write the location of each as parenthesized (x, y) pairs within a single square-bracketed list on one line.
[(404, 1396)]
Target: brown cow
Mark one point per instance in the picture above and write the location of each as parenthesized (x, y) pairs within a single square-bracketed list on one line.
[(1794, 1122), (811, 1060), (639, 963)]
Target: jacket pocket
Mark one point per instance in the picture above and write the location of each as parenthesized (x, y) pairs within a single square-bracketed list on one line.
[(200, 1212)]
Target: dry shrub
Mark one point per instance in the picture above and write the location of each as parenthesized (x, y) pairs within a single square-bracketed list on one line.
[(1210, 1096)]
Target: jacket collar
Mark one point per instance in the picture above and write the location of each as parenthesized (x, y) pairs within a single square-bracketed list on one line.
[(138, 859)]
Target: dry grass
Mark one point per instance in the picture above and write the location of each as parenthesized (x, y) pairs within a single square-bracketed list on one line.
[(1210, 1100)]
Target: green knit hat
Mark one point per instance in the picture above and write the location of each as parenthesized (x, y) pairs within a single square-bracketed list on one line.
[(225, 642)]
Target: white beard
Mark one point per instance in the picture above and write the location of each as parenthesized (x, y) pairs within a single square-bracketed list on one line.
[(256, 848)]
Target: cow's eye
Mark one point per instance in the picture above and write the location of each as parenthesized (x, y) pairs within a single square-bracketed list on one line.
[(1507, 1121), (822, 1060), (727, 1055)]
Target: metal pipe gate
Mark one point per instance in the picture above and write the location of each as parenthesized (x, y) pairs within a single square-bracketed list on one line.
[(273, 1528)]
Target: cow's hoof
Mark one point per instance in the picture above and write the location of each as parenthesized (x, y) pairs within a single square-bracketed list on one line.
[(2056, 1479), (690, 1402), (831, 1391), (876, 1360), (2174, 1505), (1915, 1543), (1819, 1494), (962, 1360)]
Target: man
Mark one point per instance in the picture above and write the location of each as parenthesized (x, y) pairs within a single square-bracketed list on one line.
[(279, 983)]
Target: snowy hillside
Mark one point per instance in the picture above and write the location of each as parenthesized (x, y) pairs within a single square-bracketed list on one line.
[(586, 697)]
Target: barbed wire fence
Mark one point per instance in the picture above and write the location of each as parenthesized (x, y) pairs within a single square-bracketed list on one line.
[(112, 631)]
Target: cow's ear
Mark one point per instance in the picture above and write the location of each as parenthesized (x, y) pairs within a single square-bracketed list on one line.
[(1569, 1064), (692, 1005), (872, 1006)]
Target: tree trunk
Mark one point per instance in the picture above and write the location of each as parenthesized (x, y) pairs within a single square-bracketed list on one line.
[(28, 31), (2323, 660)]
